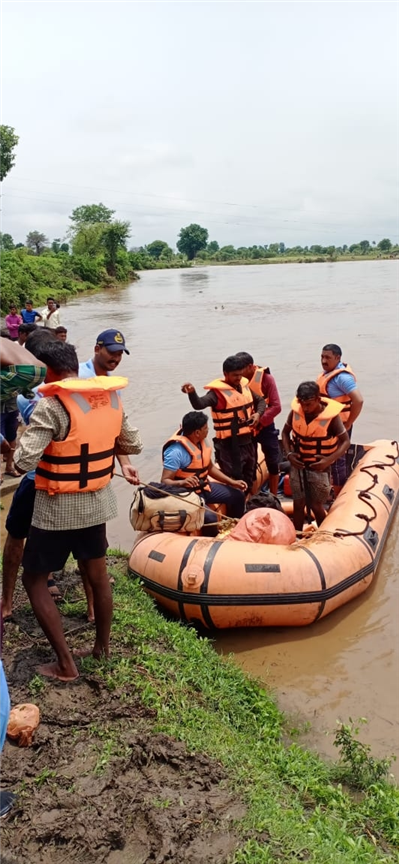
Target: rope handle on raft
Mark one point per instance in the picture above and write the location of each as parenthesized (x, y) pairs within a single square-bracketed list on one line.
[(178, 498), (364, 495)]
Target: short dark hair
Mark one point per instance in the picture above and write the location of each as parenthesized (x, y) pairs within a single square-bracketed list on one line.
[(26, 328), (60, 329), (4, 333), (37, 338), (59, 356), (335, 349), (233, 364), (308, 390), (247, 359), (263, 499), (28, 303), (50, 298), (192, 421), (12, 306)]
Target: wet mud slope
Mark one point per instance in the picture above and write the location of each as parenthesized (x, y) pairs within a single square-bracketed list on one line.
[(99, 784)]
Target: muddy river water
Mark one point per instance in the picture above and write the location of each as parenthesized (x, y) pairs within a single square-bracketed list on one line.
[(179, 326)]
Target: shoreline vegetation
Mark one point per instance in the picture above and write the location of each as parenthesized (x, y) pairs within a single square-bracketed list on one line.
[(96, 257), (183, 754)]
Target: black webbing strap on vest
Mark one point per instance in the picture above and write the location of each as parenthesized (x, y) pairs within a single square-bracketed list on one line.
[(223, 424), (84, 459)]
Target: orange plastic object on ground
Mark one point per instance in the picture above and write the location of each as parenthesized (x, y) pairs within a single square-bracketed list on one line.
[(264, 525), (23, 721)]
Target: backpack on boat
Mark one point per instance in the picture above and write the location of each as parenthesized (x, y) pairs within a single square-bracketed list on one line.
[(156, 510)]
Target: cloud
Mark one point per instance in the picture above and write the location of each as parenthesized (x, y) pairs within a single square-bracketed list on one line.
[(259, 124)]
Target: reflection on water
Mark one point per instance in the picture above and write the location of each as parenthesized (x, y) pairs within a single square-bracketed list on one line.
[(193, 279), (347, 664)]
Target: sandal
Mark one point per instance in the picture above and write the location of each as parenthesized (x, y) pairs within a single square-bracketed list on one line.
[(56, 595), (12, 474)]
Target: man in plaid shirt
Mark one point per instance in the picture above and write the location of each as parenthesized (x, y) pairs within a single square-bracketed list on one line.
[(68, 522)]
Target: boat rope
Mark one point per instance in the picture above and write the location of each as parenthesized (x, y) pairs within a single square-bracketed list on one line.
[(364, 495)]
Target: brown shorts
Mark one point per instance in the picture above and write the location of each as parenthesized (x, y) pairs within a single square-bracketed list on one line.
[(319, 485)]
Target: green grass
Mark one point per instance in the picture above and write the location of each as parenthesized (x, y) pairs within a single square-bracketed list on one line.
[(297, 806)]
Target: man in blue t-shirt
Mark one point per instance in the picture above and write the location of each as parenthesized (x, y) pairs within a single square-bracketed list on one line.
[(176, 471), (29, 314), (342, 386)]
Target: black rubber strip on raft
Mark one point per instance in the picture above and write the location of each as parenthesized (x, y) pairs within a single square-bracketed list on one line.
[(207, 572), (262, 568), (322, 579), (157, 556)]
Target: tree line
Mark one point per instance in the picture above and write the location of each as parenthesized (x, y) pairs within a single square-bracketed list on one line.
[(95, 253)]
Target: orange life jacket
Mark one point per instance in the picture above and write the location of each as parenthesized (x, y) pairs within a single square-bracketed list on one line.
[(255, 384), (84, 461), (238, 410), (312, 439), (345, 399), (201, 458)]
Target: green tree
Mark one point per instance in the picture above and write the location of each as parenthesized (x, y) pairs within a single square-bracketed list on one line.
[(354, 247), (365, 246), (88, 239), (281, 248), (90, 214), (36, 241), (64, 247), (385, 245), (114, 239), (191, 240), (212, 247), (226, 253), (8, 143), (56, 245), (6, 242), (158, 248)]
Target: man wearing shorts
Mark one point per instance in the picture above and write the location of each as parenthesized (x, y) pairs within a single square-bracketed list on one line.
[(313, 438), (71, 429)]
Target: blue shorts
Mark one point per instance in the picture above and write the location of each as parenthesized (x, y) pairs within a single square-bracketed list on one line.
[(268, 440), (21, 511), (9, 425)]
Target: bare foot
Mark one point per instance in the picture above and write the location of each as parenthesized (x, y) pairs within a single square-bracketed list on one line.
[(53, 670), (90, 616), (81, 653), (6, 612)]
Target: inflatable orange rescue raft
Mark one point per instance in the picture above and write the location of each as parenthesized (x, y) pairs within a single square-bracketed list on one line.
[(239, 584)]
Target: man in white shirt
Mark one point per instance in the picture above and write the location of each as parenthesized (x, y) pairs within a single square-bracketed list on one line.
[(51, 314)]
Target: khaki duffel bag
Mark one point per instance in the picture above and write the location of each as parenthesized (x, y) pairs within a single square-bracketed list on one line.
[(165, 513)]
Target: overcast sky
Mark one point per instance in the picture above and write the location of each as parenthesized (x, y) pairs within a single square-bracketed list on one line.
[(264, 122)]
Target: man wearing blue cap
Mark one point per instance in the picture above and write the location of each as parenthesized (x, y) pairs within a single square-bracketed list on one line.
[(108, 350)]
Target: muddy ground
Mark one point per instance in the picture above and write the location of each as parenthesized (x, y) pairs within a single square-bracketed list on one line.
[(99, 784)]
